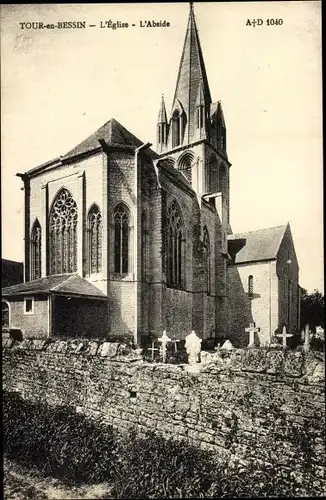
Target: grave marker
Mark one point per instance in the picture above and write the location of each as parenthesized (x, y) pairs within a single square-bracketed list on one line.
[(227, 346), (164, 341), (153, 349), (252, 329), (193, 347), (306, 344), (284, 335)]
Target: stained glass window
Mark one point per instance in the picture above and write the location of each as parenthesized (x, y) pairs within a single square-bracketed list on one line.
[(63, 234), (207, 260), (175, 246), (121, 239), (144, 247), (35, 255), (94, 231)]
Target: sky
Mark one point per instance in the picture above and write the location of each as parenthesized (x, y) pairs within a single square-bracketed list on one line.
[(59, 85)]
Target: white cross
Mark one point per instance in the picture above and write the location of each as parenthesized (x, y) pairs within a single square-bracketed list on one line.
[(152, 349), (164, 339), (174, 340), (306, 344), (284, 336), (251, 329)]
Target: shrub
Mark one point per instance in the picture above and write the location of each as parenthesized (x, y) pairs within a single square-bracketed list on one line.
[(69, 446), (58, 441)]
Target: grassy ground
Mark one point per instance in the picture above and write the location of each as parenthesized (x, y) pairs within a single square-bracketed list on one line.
[(21, 483)]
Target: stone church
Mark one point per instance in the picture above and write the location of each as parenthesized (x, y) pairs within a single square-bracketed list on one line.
[(121, 240)]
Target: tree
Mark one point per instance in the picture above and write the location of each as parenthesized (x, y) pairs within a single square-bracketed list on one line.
[(312, 309)]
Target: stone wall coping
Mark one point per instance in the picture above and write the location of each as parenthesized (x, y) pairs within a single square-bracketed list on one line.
[(297, 364)]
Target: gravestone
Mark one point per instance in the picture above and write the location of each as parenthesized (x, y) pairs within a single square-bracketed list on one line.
[(284, 335), (153, 349), (164, 341), (306, 344), (252, 329), (320, 333), (227, 346), (175, 341), (193, 347)]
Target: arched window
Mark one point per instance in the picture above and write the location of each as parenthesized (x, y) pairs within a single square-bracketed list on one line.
[(251, 286), (175, 246), (5, 314), (63, 234), (185, 164), (121, 239), (207, 259), (144, 247), (213, 175), (176, 129), (200, 116), (94, 237), (222, 179), (35, 253)]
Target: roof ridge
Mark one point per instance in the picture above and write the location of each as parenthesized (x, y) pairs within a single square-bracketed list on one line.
[(261, 229), (62, 282)]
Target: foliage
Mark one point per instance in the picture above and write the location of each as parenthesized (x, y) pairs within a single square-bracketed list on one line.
[(69, 446), (312, 309)]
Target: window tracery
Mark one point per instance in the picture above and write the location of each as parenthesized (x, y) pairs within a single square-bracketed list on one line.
[(63, 234)]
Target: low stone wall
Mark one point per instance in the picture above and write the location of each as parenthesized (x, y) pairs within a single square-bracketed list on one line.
[(247, 404)]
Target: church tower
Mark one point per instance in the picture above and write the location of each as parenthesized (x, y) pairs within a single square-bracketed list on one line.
[(194, 136)]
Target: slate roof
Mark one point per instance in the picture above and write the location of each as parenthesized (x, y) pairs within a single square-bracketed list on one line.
[(113, 133), (262, 244), (61, 284)]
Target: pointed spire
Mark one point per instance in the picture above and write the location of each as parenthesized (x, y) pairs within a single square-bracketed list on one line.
[(162, 113), (191, 76)]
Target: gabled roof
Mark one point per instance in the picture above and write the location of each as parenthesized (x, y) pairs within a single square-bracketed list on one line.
[(61, 284), (262, 244)]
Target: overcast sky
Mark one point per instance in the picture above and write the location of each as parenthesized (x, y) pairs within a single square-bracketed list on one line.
[(60, 85)]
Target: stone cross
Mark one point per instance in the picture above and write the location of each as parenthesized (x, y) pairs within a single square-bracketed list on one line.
[(174, 341), (153, 349), (193, 347), (306, 344), (251, 329), (164, 340), (284, 336)]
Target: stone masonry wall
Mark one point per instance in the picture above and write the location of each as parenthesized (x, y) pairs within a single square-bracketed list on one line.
[(258, 404)]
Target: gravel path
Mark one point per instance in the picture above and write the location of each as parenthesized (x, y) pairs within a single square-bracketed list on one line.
[(24, 484)]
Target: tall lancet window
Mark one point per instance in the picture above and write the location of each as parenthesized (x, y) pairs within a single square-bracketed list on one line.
[(207, 260), (175, 247), (63, 234), (121, 239), (176, 121), (144, 247), (94, 244), (35, 253), (250, 286), (200, 116)]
